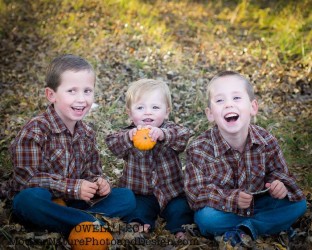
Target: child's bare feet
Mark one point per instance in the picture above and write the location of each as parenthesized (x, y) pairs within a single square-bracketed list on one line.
[(180, 235), (141, 228), (145, 228)]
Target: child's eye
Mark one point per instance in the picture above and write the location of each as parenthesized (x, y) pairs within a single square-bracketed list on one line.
[(219, 100), (88, 91), (237, 98), (155, 107), (140, 108), (72, 91)]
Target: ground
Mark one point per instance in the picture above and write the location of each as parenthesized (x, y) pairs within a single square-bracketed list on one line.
[(181, 42)]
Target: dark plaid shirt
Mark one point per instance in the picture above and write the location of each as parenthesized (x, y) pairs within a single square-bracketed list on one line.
[(46, 155), (157, 171), (216, 173)]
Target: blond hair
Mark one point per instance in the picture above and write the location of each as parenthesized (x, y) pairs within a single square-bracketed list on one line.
[(249, 87), (138, 88)]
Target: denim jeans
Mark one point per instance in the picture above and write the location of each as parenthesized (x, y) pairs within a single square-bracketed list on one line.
[(271, 216), (34, 207), (176, 213)]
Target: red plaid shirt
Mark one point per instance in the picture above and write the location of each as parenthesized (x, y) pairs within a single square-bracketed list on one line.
[(216, 173), (157, 171), (46, 155)]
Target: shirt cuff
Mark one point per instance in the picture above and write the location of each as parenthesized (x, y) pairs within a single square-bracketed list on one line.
[(73, 189), (167, 136)]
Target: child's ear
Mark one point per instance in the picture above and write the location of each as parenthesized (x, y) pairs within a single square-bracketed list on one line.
[(209, 114), (167, 113), (128, 112), (50, 94), (254, 107)]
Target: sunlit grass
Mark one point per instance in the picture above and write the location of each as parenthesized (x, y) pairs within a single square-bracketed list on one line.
[(180, 35), (282, 27)]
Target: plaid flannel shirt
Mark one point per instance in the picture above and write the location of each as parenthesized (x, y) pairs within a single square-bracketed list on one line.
[(216, 173), (157, 171), (46, 155)]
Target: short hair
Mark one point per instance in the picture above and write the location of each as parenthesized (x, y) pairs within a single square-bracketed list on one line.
[(62, 63), (249, 87), (138, 88)]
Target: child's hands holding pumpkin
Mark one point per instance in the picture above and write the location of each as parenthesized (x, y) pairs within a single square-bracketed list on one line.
[(155, 133), (145, 137), (132, 133)]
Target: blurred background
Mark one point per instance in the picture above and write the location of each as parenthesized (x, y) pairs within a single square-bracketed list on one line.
[(183, 43)]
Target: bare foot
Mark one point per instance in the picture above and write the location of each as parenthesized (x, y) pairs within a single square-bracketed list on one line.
[(180, 235), (141, 228)]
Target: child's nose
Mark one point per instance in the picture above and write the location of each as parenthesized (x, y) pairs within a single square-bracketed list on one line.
[(81, 97), (148, 111), (228, 103)]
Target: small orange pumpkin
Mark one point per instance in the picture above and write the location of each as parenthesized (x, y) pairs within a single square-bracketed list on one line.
[(89, 236), (142, 141), (59, 201)]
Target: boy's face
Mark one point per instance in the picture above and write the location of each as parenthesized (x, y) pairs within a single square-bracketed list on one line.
[(231, 107), (149, 109), (73, 97)]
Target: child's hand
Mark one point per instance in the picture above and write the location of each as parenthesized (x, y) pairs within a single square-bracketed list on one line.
[(156, 133), (132, 132), (277, 189), (87, 190), (244, 200), (103, 187)]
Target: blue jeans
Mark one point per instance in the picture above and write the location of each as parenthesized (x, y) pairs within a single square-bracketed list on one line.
[(34, 207), (176, 213), (271, 216)]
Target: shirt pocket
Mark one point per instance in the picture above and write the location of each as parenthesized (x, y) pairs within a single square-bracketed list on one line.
[(55, 161), (257, 175), (223, 178)]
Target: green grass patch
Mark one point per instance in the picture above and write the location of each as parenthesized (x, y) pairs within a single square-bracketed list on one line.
[(294, 138)]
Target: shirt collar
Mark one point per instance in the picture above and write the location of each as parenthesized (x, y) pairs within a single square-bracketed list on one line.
[(254, 137), (221, 145)]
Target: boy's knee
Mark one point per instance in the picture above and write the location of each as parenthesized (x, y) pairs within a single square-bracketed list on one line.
[(30, 199), (32, 194), (207, 220), (127, 196), (301, 207), (177, 207)]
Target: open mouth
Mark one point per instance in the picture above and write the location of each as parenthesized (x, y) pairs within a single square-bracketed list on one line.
[(78, 108), (231, 117), (148, 120)]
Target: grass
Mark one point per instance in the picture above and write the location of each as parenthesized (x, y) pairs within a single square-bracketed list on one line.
[(182, 42), (149, 31)]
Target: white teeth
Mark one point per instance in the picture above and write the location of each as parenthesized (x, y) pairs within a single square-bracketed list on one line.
[(78, 108), (231, 115)]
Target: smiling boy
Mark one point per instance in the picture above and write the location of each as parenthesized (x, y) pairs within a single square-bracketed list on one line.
[(55, 156), (155, 176), (229, 164)]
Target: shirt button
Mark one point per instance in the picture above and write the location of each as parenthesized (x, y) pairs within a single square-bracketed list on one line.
[(248, 212), (68, 190), (223, 207)]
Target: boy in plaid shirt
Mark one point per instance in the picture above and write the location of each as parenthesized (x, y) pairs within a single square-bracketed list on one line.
[(55, 156), (237, 180), (155, 176)]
